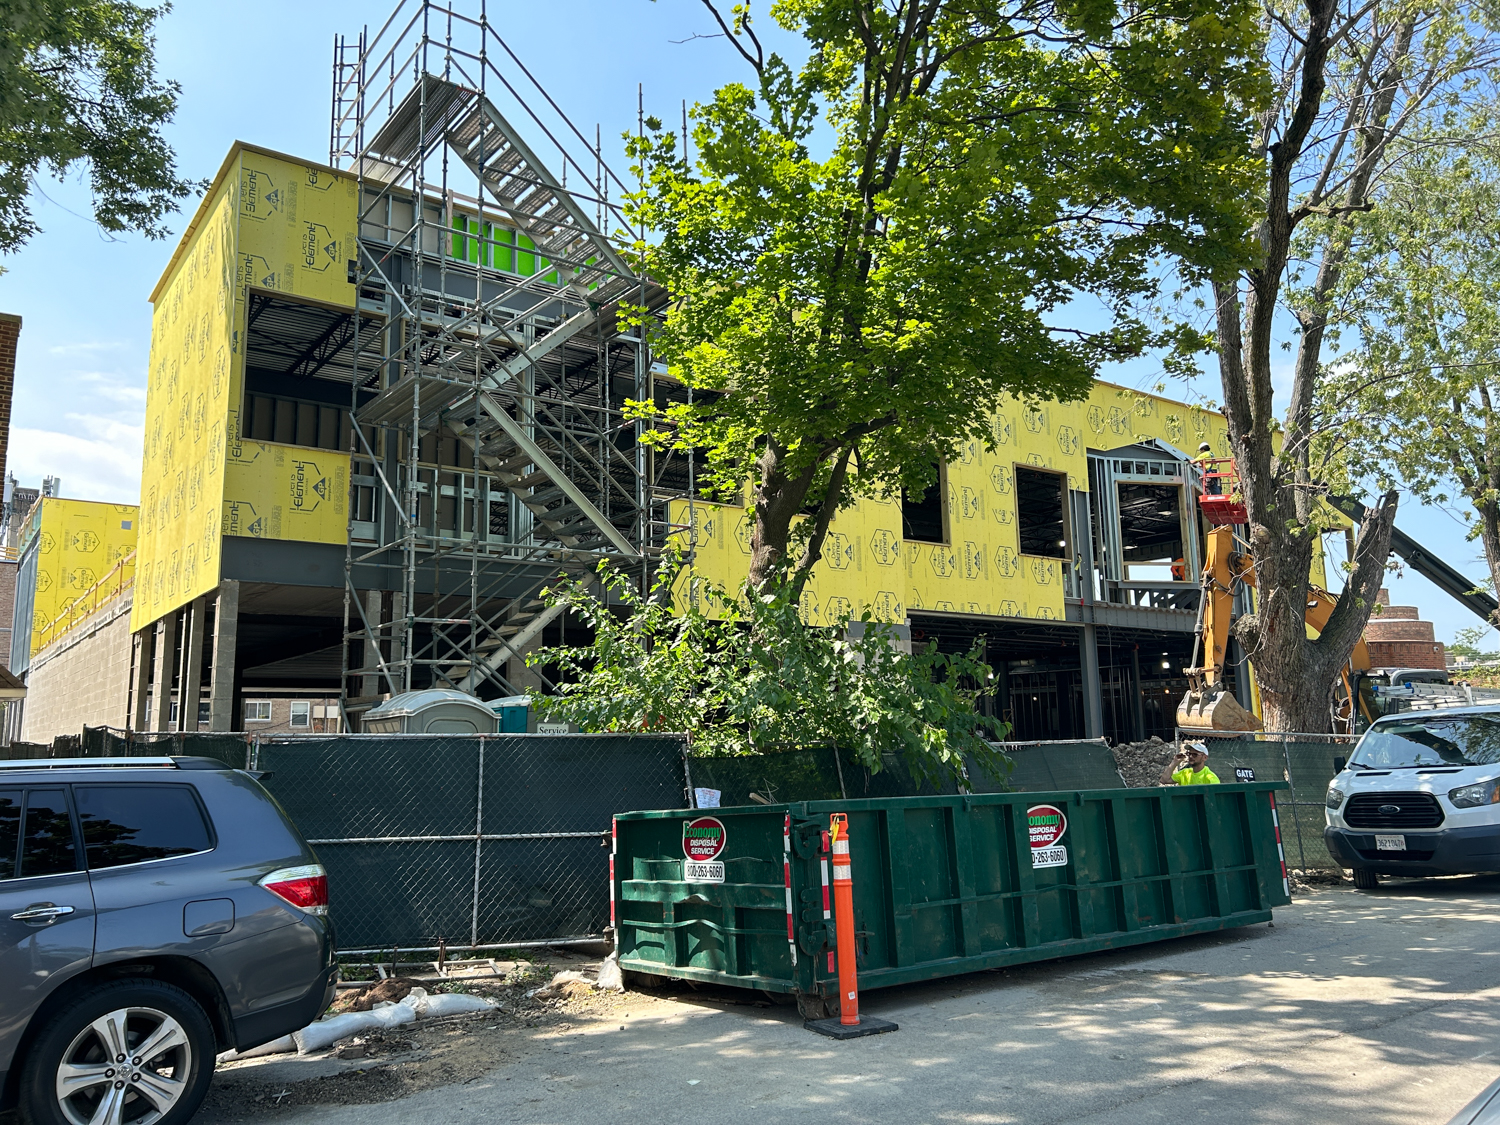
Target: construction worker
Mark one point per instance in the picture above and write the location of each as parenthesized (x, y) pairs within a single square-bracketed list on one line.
[(1189, 767), (1205, 465)]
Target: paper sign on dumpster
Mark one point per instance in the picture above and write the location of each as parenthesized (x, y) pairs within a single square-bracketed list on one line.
[(1045, 825), (703, 843)]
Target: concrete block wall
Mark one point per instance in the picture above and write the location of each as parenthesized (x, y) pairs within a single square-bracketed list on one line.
[(82, 679)]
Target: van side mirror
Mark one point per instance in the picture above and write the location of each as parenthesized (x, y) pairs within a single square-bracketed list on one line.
[(1339, 762)]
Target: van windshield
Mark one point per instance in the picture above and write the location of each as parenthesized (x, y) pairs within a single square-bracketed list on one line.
[(1458, 740)]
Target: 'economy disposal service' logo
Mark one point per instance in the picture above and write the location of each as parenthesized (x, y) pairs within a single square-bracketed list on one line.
[(703, 843), (1045, 825)]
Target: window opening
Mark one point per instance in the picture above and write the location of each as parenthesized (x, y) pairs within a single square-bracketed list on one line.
[(301, 713), (257, 710), (295, 423), (1151, 536), (924, 518), (1041, 498)]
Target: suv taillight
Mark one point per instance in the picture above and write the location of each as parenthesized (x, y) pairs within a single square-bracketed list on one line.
[(306, 887)]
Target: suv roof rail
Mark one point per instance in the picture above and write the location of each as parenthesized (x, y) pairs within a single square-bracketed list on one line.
[(82, 763)]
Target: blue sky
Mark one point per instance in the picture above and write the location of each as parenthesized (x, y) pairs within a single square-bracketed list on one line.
[(262, 74)]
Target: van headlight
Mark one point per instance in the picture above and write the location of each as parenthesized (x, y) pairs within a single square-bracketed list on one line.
[(1335, 797), (1472, 796)]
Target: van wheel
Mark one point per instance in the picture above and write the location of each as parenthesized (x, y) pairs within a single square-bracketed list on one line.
[(1365, 879), (125, 1052)]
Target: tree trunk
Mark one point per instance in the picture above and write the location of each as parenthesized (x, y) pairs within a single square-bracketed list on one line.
[(1489, 536), (779, 496), (1296, 675)]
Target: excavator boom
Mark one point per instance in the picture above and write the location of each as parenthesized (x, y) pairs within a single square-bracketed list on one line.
[(1207, 706)]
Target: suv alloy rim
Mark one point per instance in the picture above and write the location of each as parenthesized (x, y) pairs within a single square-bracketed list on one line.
[(128, 1067)]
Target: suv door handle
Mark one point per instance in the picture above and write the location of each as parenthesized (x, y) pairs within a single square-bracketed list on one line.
[(42, 912)]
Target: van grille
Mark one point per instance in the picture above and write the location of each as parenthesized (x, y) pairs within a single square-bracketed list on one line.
[(1393, 810)]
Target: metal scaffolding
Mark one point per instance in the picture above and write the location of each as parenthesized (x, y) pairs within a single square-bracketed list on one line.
[(490, 449)]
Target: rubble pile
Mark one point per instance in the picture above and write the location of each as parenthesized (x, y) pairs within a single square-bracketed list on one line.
[(1141, 763)]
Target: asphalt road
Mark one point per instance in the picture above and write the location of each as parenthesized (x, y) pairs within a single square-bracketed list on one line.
[(1352, 1008)]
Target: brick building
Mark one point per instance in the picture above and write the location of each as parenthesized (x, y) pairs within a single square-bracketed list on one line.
[(1399, 638), (10, 334)]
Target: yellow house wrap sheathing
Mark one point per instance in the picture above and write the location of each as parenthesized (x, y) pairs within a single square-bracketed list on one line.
[(273, 223), (868, 565), (80, 541)]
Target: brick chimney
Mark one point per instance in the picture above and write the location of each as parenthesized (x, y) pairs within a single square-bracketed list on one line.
[(1399, 638), (10, 333)]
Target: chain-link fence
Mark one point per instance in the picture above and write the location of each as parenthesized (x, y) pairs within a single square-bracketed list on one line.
[(466, 840), (110, 742), (1306, 761), (821, 774)]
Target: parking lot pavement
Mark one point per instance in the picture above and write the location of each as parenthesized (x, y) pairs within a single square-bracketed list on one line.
[(1358, 1008)]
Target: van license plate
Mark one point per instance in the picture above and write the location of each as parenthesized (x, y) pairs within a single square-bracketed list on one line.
[(1390, 843)]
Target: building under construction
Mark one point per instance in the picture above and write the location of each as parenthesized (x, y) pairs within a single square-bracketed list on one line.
[(386, 409)]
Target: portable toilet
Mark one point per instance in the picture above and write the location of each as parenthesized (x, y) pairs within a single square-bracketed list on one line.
[(433, 711), (512, 712)]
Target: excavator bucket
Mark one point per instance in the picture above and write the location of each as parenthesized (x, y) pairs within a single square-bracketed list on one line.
[(1210, 709)]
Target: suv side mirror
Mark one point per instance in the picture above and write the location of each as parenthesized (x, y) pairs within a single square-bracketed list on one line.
[(1339, 762)]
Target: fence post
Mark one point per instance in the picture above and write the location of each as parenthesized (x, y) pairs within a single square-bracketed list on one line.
[(1286, 756), (478, 848)]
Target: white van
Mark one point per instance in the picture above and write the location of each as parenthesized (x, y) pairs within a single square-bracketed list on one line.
[(1419, 796)]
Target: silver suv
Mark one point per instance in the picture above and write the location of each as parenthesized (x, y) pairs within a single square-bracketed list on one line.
[(153, 912)]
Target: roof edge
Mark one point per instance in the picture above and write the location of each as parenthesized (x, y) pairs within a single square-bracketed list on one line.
[(191, 229)]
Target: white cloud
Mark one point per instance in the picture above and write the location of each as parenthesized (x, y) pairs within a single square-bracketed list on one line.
[(114, 389), (100, 461), (87, 347)]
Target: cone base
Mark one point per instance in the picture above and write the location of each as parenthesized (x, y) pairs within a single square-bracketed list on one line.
[(867, 1025)]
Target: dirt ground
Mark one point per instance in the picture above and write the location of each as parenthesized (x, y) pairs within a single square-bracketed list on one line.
[(383, 1066)]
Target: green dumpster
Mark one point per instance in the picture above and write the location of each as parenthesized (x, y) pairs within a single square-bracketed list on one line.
[(942, 885)]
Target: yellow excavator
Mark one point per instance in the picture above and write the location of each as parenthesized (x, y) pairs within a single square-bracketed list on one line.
[(1208, 705)]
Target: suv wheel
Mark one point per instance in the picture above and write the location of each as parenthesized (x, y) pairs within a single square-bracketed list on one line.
[(1365, 879), (131, 1052)]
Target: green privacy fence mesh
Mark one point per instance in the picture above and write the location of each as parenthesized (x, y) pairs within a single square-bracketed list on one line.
[(1306, 761), (820, 774), (489, 840), (108, 742), (469, 840)]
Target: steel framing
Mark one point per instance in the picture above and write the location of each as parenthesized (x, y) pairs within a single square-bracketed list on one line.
[(490, 448)]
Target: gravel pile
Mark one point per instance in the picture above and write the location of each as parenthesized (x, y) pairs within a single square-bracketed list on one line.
[(1140, 763)]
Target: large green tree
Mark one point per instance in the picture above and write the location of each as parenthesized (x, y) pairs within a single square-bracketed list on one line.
[(1354, 82), (78, 86), (1416, 401), (866, 251), (741, 674)]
